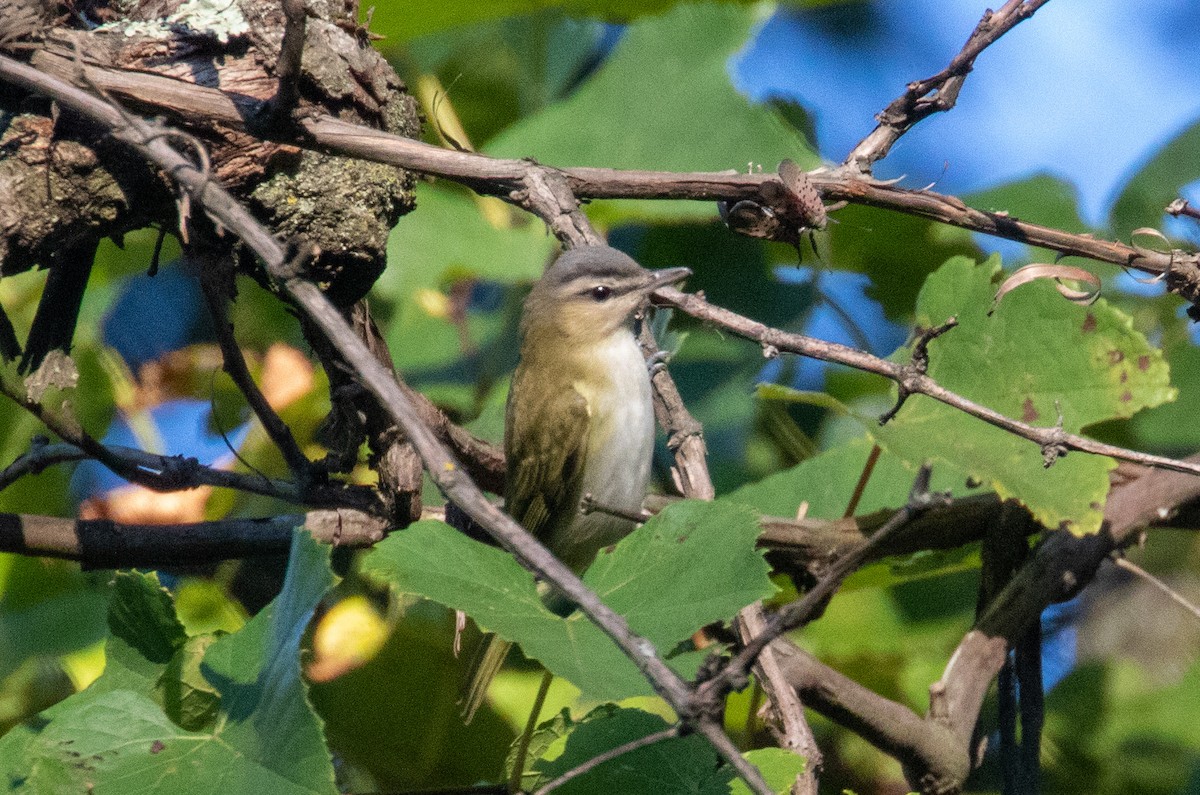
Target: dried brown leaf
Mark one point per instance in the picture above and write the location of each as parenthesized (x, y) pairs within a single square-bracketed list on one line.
[(1058, 273)]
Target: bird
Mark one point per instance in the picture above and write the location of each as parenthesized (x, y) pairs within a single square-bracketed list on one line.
[(579, 421)]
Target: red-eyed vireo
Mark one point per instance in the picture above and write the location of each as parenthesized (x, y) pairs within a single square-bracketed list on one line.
[(580, 419)]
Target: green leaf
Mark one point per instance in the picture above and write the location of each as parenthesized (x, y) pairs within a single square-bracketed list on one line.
[(257, 671), (186, 696), (141, 614), (1143, 199), (408, 694), (145, 638), (46, 492), (116, 736), (447, 240), (547, 735), (664, 100), (1036, 354), (778, 766), (827, 481), (494, 73), (673, 765), (1171, 427), (1123, 712), (785, 394), (706, 549), (421, 17), (121, 741), (707, 553), (48, 608)]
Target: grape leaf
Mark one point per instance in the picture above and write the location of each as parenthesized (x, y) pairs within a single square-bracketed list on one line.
[(673, 765), (117, 735), (827, 481), (1037, 354), (706, 550)]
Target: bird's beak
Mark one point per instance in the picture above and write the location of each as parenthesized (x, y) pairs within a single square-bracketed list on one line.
[(665, 277)]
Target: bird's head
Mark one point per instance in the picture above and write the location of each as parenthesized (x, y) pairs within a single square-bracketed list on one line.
[(591, 292)]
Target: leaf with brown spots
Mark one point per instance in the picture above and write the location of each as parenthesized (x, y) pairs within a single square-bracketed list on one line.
[(1028, 412), (1034, 350)]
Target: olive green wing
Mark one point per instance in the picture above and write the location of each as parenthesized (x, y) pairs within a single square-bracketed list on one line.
[(545, 440), (546, 444)]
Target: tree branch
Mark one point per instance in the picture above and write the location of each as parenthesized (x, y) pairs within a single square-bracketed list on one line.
[(928, 750), (805, 608), (552, 194), (685, 439), (216, 280), (935, 750), (279, 108), (177, 473), (104, 544), (1166, 590), (507, 178), (911, 380), (939, 93)]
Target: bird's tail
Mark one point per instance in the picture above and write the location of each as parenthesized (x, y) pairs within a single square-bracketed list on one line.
[(485, 666)]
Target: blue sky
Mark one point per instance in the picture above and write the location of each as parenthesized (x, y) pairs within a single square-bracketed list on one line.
[(1086, 89)]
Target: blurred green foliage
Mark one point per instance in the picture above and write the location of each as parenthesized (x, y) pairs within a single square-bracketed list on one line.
[(190, 687)]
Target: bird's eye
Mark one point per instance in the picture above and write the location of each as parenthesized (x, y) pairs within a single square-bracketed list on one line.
[(600, 292)]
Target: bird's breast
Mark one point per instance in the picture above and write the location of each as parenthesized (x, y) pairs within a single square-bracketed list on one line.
[(620, 437)]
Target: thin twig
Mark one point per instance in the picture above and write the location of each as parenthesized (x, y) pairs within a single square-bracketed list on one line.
[(910, 381), (522, 755), (511, 179), (607, 756), (685, 439), (790, 727), (176, 473), (1175, 596), (216, 276), (1182, 207), (939, 93), (863, 478), (279, 108), (63, 424), (685, 435), (800, 611), (937, 750)]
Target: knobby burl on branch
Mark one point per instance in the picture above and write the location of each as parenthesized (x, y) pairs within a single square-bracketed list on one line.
[(67, 185)]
